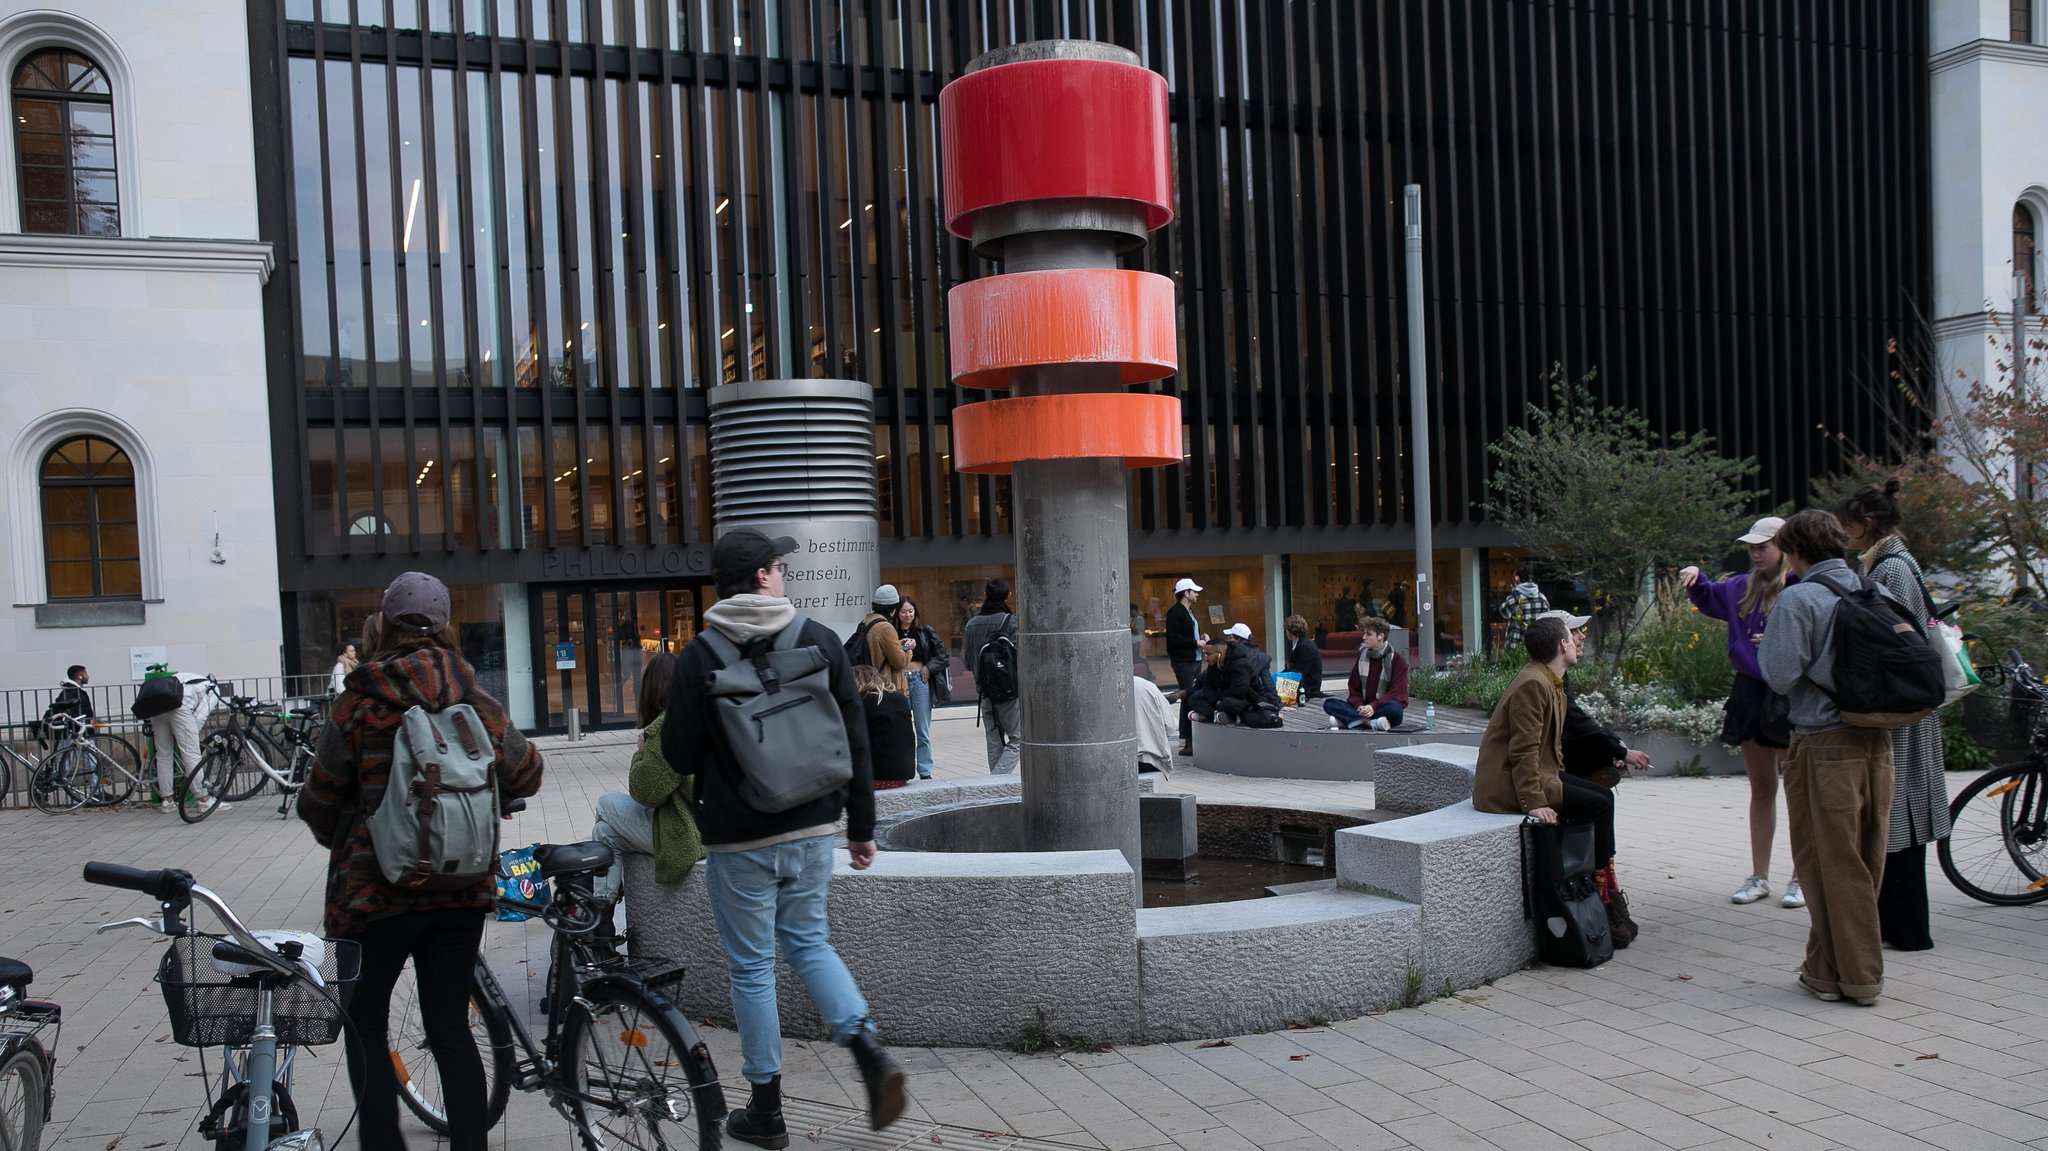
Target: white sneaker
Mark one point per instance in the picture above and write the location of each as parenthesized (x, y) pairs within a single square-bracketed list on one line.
[(1381, 723), (1753, 889), (165, 808), (1794, 897)]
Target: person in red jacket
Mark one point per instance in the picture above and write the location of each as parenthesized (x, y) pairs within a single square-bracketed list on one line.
[(1376, 695)]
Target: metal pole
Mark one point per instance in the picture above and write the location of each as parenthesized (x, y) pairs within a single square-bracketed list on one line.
[(1418, 436)]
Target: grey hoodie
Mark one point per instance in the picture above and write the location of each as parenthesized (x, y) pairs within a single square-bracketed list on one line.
[(1797, 655)]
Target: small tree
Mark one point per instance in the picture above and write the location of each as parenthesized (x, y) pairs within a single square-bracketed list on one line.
[(1609, 501)]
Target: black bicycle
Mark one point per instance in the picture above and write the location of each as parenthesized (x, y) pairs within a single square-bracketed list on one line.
[(1997, 849), (618, 1060), (28, 1059), (274, 744)]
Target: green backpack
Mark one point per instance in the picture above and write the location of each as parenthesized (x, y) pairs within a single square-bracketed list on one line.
[(436, 828)]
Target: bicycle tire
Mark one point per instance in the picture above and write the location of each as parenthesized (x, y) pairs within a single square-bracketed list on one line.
[(115, 786), (636, 1082), (53, 788), (244, 778), (419, 1076), (201, 794), (6, 779), (1986, 856), (24, 1093)]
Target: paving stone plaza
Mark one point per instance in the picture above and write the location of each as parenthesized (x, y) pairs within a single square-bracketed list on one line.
[(1695, 1037)]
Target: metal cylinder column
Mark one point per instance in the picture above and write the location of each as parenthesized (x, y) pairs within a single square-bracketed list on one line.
[(797, 458), (1054, 158)]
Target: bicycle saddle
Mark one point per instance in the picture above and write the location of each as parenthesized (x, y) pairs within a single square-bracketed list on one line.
[(16, 974), (572, 858)]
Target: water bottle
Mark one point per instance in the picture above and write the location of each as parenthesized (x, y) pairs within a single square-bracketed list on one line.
[(1429, 714)]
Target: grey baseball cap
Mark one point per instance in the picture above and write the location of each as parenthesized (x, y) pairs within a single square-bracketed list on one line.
[(417, 594)]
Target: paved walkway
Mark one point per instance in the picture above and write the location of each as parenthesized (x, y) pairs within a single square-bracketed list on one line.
[(1694, 1038)]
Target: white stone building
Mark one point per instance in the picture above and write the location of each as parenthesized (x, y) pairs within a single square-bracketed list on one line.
[(136, 502), (1989, 119)]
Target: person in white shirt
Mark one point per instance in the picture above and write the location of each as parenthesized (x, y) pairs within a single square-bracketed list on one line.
[(178, 729)]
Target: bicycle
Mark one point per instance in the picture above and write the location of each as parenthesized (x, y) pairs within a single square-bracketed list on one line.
[(259, 996), (84, 767), (618, 1060), (1997, 848), (296, 729), (28, 1063), (231, 752)]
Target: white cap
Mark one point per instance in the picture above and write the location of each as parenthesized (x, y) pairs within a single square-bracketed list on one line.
[(1186, 584), (1762, 531), (1241, 631), (1571, 622)]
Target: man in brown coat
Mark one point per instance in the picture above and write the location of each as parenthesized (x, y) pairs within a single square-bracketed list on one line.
[(1521, 762)]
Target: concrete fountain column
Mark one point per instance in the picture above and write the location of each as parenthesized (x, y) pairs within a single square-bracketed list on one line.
[(1055, 162)]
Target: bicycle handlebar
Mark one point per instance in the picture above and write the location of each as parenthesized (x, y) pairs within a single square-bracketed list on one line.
[(175, 889)]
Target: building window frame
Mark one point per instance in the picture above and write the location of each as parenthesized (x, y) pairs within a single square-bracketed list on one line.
[(2031, 208), (71, 104), (31, 448), (22, 36), (95, 481), (2025, 21)]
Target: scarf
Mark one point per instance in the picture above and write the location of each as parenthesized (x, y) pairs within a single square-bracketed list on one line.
[(1385, 654), (749, 616)]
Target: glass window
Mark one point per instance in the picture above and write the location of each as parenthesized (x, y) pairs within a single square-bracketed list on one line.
[(91, 544), (2026, 255), (2023, 21), (64, 145)]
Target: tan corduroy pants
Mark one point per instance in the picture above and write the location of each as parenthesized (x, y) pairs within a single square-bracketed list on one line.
[(1838, 791)]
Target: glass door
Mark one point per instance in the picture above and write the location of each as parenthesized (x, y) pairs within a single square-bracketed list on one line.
[(565, 653), (594, 643)]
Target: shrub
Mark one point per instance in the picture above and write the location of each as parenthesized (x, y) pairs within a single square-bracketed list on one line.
[(1680, 649), (1475, 683)]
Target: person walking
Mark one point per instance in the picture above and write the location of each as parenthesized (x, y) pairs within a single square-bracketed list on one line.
[(766, 873), (1838, 778), (1919, 816), (1001, 720), (414, 660), (1744, 602), (928, 663), (1525, 601), (1521, 762)]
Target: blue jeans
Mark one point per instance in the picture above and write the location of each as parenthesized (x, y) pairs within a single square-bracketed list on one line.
[(772, 893), (921, 719), (1342, 711)]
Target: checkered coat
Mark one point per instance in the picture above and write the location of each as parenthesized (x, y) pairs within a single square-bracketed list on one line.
[(1920, 791)]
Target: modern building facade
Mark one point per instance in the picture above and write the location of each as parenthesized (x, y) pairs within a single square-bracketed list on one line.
[(517, 241)]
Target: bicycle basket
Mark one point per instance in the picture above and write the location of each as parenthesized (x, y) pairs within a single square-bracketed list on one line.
[(209, 1009)]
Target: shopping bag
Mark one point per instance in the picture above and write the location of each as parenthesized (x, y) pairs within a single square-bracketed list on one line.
[(1288, 685), (1959, 676), (519, 878), (1560, 896)]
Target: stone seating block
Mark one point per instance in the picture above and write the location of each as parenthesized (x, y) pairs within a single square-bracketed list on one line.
[(1424, 777), (1263, 964), (1464, 869), (948, 948)]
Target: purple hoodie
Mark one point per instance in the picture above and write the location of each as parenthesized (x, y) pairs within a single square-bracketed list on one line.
[(1720, 599)]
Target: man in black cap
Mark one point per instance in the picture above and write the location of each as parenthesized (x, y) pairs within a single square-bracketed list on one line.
[(766, 873)]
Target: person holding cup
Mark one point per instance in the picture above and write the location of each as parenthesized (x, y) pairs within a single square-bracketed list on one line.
[(886, 651)]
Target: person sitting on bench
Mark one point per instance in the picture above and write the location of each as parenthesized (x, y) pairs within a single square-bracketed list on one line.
[(1376, 696)]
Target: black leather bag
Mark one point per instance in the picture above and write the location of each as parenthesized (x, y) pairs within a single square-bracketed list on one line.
[(1561, 897)]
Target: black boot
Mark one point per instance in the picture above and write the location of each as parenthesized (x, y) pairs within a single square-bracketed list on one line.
[(883, 1077), (760, 1121)]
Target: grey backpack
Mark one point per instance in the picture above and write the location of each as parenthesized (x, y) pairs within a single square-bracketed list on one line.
[(780, 719), (436, 828)]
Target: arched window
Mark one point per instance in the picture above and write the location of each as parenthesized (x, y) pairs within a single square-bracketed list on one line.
[(2026, 259), (2023, 21), (90, 539), (64, 145)]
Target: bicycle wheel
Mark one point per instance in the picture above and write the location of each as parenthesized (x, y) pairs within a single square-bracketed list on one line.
[(244, 778), (60, 781), (638, 1083), (115, 786), (6, 777), (202, 790), (419, 1076), (1995, 852), (23, 1092)]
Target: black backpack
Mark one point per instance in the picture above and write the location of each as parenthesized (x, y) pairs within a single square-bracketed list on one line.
[(995, 669), (857, 645), (1561, 898), (1886, 673)]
